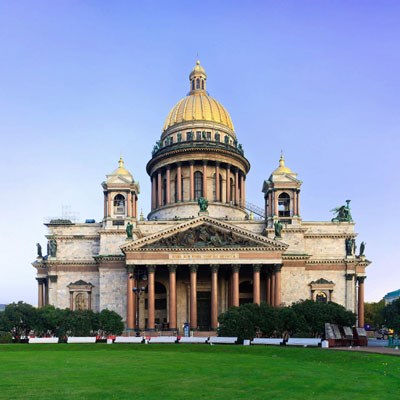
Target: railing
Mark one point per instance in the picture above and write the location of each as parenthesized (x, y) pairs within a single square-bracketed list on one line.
[(201, 144), (255, 209)]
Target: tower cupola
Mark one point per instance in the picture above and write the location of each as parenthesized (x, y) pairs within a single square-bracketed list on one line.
[(282, 195)]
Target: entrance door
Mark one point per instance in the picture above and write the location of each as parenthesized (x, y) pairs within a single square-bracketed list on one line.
[(204, 310)]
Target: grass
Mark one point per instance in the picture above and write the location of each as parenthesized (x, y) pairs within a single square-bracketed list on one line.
[(193, 371)]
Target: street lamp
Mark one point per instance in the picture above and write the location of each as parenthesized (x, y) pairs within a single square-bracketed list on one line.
[(140, 277)]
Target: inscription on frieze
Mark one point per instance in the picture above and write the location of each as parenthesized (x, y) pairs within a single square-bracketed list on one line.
[(202, 256)]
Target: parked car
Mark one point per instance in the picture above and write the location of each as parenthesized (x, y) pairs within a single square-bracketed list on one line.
[(383, 333)]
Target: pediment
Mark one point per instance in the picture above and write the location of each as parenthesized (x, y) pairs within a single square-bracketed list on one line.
[(204, 233), (119, 179)]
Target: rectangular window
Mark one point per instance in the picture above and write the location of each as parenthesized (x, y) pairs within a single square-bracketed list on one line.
[(209, 135), (217, 137), (198, 135)]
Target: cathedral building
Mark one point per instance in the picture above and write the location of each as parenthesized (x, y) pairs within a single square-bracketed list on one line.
[(200, 250)]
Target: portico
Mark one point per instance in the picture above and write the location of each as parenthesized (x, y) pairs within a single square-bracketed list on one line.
[(205, 266)]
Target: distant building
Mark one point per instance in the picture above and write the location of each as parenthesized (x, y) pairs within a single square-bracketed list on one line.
[(3, 307), (201, 250), (392, 296)]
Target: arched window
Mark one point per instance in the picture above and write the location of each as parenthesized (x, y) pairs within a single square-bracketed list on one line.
[(197, 83), (192, 84), (284, 205), (202, 84), (119, 204), (321, 297), (198, 185)]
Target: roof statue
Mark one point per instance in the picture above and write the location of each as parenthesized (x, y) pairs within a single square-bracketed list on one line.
[(343, 213)]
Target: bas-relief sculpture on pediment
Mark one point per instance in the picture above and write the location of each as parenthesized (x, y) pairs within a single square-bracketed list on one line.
[(204, 236)]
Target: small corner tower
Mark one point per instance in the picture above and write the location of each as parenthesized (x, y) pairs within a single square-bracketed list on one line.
[(120, 197), (282, 196)]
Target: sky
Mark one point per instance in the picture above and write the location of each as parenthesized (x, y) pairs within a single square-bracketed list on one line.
[(82, 82)]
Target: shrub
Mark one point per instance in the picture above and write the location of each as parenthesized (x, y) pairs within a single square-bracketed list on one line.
[(5, 337)]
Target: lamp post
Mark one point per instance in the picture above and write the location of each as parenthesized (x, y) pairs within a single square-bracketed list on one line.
[(140, 277)]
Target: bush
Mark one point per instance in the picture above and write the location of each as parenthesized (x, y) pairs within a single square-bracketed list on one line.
[(303, 319), (5, 337)]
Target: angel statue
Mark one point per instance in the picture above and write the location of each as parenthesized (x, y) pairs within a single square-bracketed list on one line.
[(343, 213)]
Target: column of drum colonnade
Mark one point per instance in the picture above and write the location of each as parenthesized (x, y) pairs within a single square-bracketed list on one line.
[(272, 295), (165, 172)]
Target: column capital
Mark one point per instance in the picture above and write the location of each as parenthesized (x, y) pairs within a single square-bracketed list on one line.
[(277, 267), (151, 269), (236, 267), (256, 267), (193, 267), (214, 267), (349, 277), (172, 268), (361, 279)]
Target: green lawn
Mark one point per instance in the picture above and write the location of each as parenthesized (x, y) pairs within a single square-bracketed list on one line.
[(194, 372)]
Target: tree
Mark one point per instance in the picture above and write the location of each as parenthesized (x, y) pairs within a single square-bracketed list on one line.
[(373, 313), (19, 319), (391, 315), (239, 321), (110, 323)]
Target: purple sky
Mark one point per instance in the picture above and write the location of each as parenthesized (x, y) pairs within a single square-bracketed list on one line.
[(81, 82)]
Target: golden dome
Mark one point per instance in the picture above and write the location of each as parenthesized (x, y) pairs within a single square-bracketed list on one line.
[(198, 105), (121, 170), (282, 169)]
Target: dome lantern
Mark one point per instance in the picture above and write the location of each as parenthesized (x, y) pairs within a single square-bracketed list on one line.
[(197, 79)]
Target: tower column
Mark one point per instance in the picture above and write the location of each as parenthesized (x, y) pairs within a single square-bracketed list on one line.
[(129, 205), (134, 206), (178, 195), (172, 296), (205, 194), (214, 296), (105, 205), (295, 202), (109, 204), (256, 284), (277, 300), (298, 203), (360, 280), (217, 182), (193, 296), (159, 188), (191, 171), (276, 213), (168, 188), (235, 285), (151, 297)]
